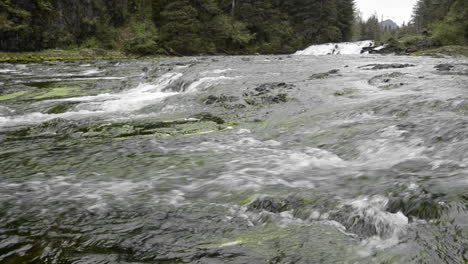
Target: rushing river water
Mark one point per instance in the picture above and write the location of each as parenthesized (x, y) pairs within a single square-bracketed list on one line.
[(262, 159)]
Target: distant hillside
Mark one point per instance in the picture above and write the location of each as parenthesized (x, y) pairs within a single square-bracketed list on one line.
[(389, 24)]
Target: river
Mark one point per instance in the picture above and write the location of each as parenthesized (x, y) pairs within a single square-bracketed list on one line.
[(245, 159)]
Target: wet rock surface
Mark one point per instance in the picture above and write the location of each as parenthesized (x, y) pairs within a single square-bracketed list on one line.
[(386, 66), (234, 160), (444, 67), (388, 81), (452, 69), (276, 205), (325, 75), (268, 93)]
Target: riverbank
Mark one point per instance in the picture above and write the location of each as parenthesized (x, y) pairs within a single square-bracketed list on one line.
[(455, 51), (101, 54), (67, 55)]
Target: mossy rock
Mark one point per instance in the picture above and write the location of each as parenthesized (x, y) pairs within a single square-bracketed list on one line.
[(61, 92), (325, 75), (205, 123), (344, 92), (61, 108), (209, 117), (12, 96), (422, 206)]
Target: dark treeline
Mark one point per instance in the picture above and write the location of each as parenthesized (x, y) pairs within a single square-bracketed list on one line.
[(178, 27)]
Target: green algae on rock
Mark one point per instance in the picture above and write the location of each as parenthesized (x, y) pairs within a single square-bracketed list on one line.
[(12, 95), (61, 108), (59, 93)]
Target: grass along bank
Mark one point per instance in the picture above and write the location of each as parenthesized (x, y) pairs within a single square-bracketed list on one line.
[(68, 54), (454, 50)]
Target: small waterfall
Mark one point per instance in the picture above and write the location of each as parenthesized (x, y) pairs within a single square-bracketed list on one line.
[(345, 48)]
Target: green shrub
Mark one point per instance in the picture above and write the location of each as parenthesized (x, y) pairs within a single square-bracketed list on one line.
[(140, 38), (448, 34)]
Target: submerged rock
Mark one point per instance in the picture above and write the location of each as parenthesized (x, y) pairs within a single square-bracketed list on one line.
[(221, 99), (268, 93), (385, 66), (325, 75), (276, 205), (209, 117), (55, 127), (387, 81), (418, 204), (344, 92), (197, 124), (444, 67), (61, 108), (366, 217)]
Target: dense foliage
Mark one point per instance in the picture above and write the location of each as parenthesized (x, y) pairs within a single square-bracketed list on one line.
[(174, 26), (445, 20), (434, 23)]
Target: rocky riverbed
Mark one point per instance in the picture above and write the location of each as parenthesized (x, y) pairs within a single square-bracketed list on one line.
[(255, 159)]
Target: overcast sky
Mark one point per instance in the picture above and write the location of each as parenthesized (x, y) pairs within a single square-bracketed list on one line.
[(398, 10)]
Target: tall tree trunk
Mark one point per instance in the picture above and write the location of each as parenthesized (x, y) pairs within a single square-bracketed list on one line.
[(233, 7)]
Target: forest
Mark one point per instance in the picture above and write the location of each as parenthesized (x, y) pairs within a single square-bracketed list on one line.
[(434, 23), (174, 27), (191, 27)]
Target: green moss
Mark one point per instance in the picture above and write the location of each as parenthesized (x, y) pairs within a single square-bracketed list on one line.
[(59, 93), (309, 201), (256, 237), (344, 92), (61, 108), (180, 127), (12, 95), (246, 201)]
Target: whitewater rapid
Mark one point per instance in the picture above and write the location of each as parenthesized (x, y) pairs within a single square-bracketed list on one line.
[(344, 48)]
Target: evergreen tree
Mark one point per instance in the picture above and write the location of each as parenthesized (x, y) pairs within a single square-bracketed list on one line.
[(175, 26), (181, 28)]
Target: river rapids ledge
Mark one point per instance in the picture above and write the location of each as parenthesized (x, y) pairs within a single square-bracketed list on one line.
[(249, 159)]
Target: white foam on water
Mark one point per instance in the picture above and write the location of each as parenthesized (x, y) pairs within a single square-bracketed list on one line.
[(36, 117), (244, 131), (127, 101), (206, 81), (390, 148), (6, 110), (217, 71), (91, 72), (383, 152), (6, 71), (389, 226), (345, 48), (95, 194), (131, 100), (264, 163)]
